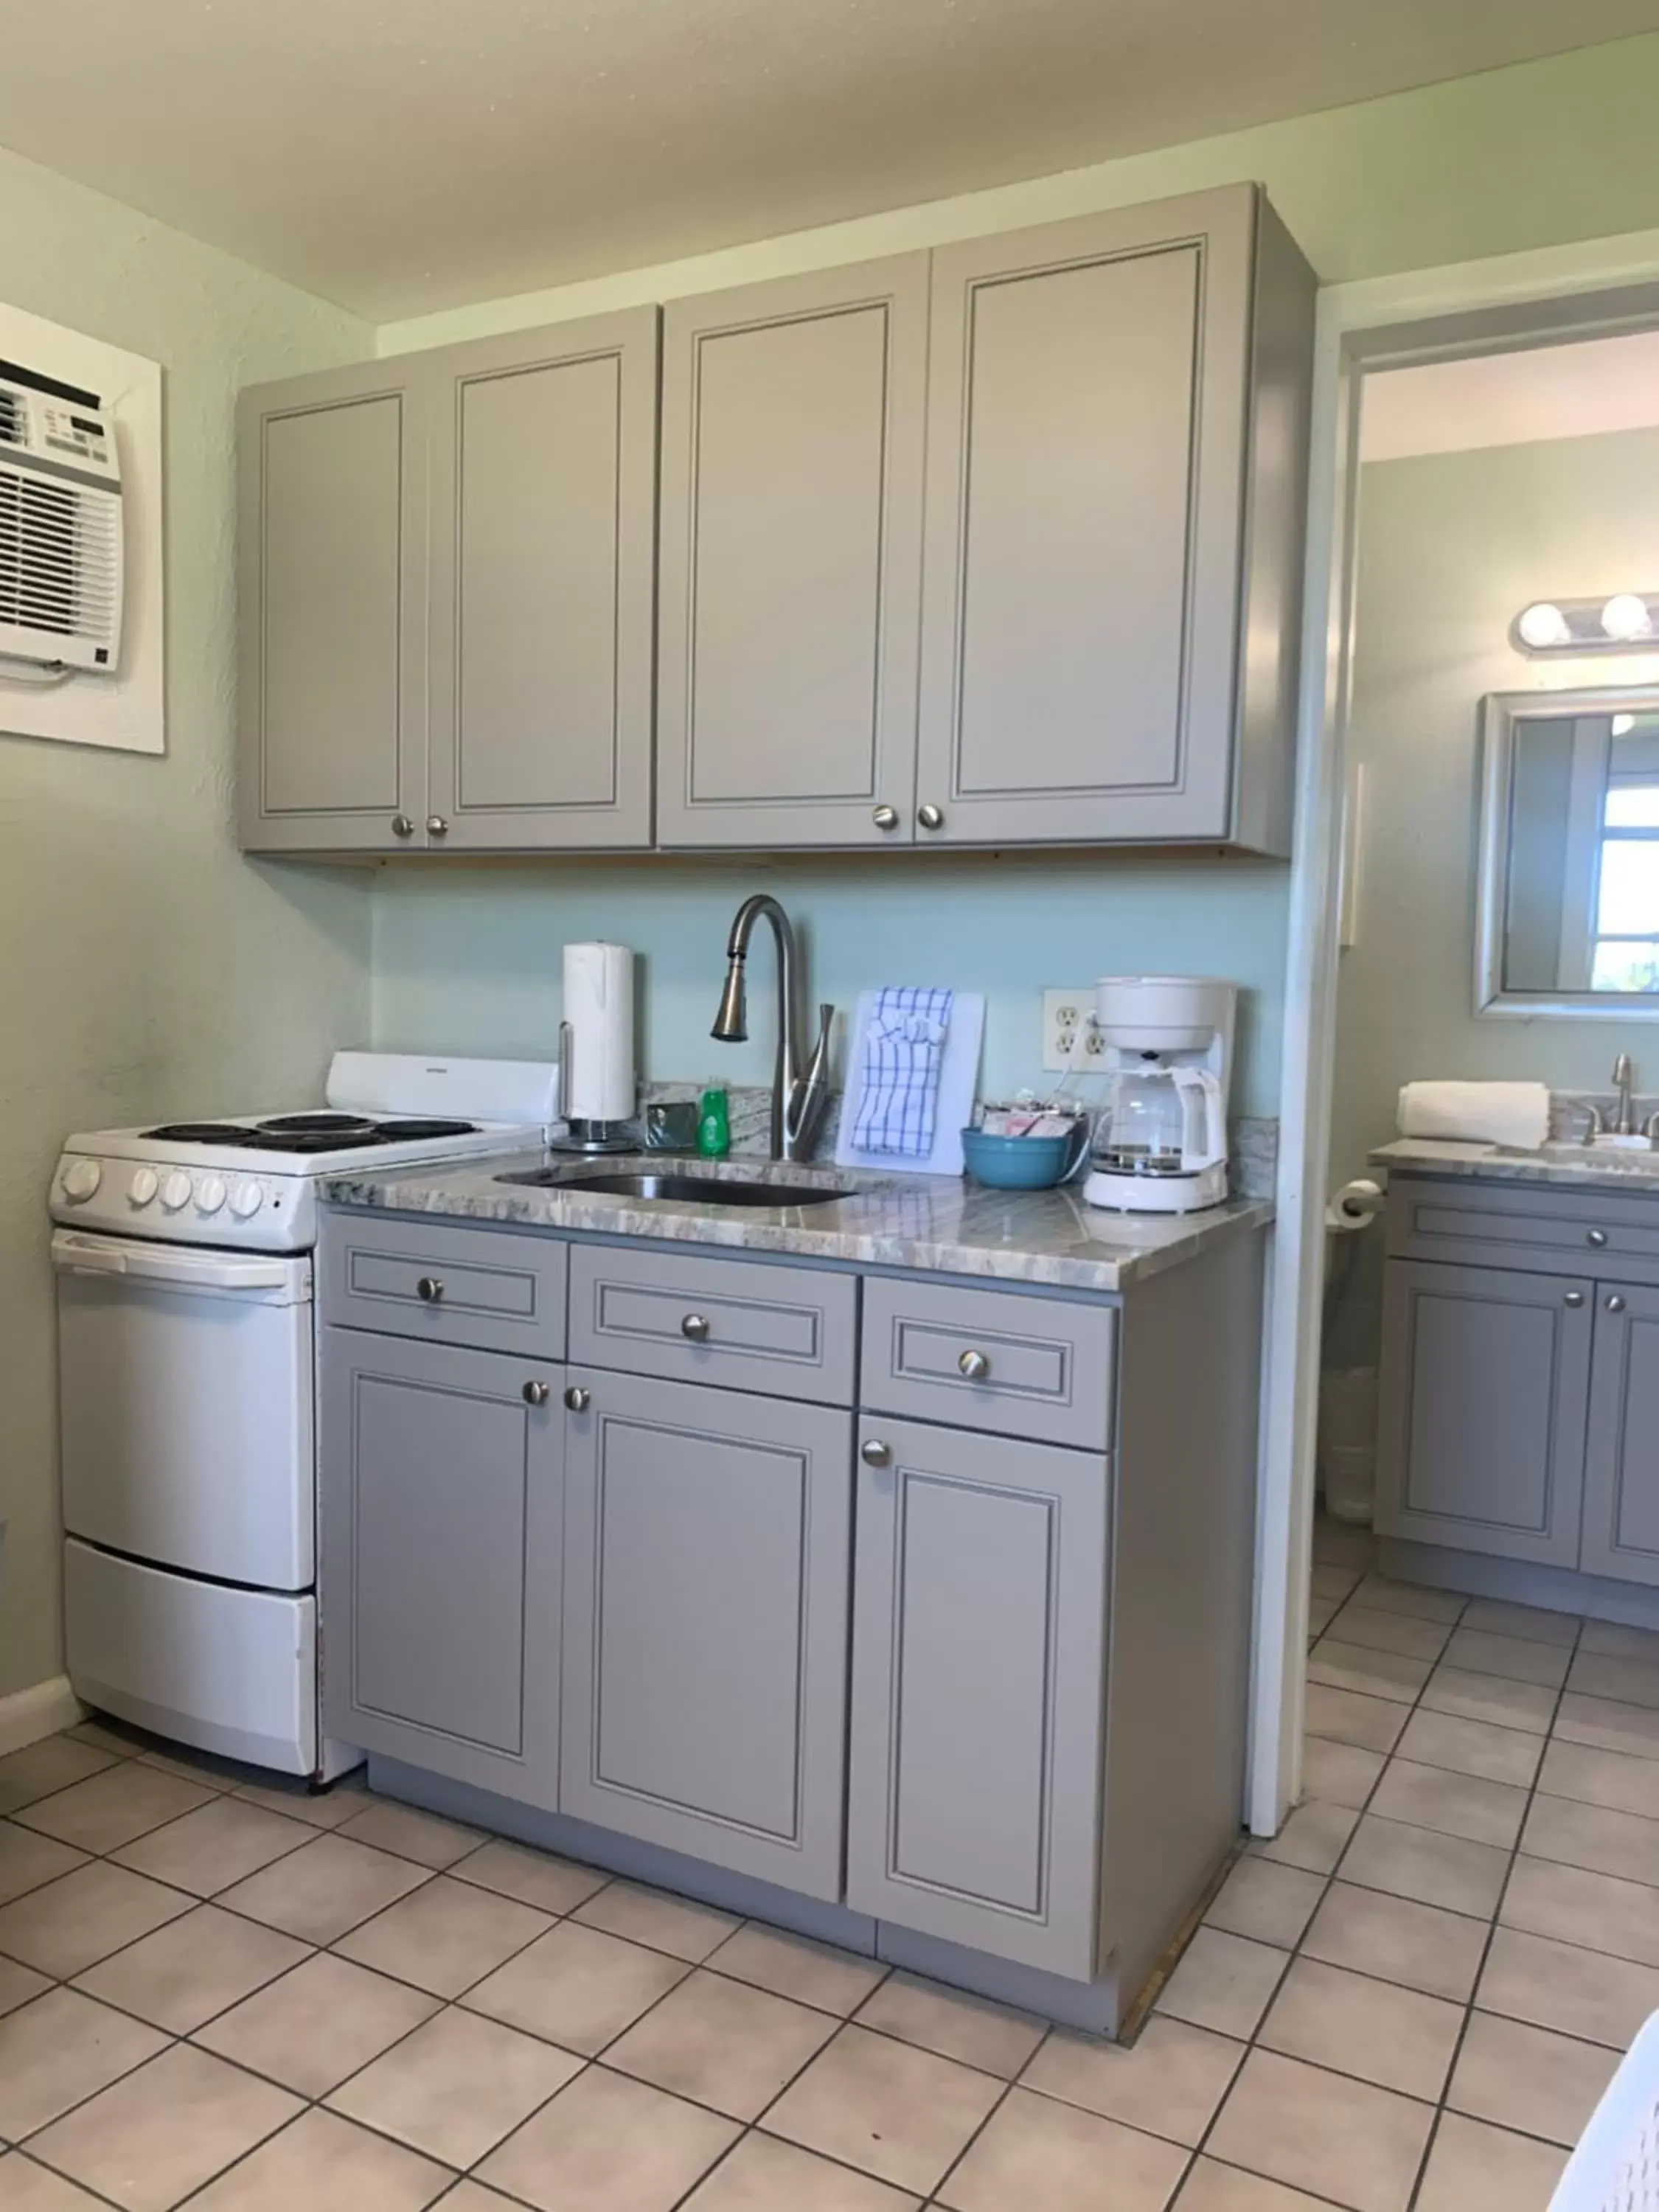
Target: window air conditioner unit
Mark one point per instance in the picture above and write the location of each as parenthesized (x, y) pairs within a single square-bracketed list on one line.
[(60, 524)]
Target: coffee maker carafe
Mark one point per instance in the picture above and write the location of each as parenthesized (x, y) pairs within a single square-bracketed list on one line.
[(1166, 1043)]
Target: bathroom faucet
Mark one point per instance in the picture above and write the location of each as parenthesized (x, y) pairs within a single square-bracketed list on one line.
[(1623, 1081), (798, 1099)]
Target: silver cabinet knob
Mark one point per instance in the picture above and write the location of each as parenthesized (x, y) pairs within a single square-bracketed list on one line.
[(428, 1290), (885, 818), (402, 826), (1574, 1298), (436, 826), (874, 1452), (536, 1394), (975, 1365), (1596, 1236), (696, 1328), (577, 1399), (930, 816), (1615, 1303)]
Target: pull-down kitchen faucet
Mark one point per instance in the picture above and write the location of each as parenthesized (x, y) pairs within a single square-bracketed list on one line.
[(798, 1100)]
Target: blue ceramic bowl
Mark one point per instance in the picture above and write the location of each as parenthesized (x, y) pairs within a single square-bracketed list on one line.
[(1016, 1162)]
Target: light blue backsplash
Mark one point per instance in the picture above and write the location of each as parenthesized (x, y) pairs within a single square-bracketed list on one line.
[(467, 958)]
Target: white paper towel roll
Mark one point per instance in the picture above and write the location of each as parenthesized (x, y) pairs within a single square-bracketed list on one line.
[(1515, 1114), (599, 1006)]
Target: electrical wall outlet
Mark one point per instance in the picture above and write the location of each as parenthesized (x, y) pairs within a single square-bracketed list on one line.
[(1066, 1010)]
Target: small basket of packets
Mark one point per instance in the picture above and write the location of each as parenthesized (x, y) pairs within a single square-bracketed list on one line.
[(1029, 1143)]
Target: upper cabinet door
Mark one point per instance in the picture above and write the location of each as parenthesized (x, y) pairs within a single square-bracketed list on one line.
[(332, 584), (543, 493), (1088, 435), (792, 417)]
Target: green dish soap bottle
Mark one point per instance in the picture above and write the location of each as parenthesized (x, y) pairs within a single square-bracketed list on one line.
[(713, 1126)]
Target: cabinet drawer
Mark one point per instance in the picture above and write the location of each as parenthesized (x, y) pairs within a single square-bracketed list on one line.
[(1545, 1230), (990, 1359), (788, 1332), (485, 1287)]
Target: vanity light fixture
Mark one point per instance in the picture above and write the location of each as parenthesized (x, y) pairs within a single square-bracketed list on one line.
[(1626, 623)]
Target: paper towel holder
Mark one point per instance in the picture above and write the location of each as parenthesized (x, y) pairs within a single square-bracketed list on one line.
[(581, 1136)]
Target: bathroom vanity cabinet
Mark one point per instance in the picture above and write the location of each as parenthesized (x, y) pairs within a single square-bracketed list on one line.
[(998, 544), (1520, 1383), (909, 1612)]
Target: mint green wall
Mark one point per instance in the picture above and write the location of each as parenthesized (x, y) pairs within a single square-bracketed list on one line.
[(147, 966), (467, 958)]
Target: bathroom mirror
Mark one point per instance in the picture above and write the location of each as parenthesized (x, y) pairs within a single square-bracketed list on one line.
[(1567, 919)]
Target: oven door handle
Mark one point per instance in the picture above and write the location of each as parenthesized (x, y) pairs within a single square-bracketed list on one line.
[(90, 1255)]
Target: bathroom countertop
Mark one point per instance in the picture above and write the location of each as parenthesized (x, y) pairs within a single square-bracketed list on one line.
[(925, 1224), (1576, 1166)]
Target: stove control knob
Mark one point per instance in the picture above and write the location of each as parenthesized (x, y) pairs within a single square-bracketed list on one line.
[(81, 1179), (143, 1187), (175, 1191), (247, 1199), (209, 1193)]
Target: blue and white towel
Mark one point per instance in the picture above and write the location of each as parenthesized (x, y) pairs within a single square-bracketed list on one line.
[(904, 1052)]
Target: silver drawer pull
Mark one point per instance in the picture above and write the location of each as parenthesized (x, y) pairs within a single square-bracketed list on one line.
[(1573, 1298), (578, 1400), (696, 1328), (536, 1394), (428, 1290), (874, 1452), (975, 1365), (1615, 1303), (1596, 1236), (884, 817)]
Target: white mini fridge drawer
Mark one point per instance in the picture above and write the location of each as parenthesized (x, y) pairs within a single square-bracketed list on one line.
[(231, 1671), (187, 1406)]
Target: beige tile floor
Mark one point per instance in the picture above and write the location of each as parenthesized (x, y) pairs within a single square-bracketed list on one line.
[(243, 1998)]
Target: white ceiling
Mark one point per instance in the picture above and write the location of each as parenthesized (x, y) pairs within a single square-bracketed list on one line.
[(1512, 399), (398, 155)]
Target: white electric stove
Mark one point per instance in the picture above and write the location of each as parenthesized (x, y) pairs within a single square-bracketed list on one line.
[(186, 1364)]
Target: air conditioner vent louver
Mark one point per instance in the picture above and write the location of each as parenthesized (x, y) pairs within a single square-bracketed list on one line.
[(60, 526)]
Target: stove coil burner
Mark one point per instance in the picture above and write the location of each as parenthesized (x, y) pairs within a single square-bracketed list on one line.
[(307, 1125), (207, 1133)]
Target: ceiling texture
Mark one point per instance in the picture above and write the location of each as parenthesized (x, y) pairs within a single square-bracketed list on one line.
[(401, 155)]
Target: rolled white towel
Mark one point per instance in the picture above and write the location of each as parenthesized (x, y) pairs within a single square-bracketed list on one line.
[(1516, 1114)]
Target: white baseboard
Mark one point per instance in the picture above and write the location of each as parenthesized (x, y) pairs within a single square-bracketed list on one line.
[(28, 1715)]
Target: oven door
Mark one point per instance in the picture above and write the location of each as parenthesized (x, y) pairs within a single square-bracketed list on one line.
[(187, 1415)]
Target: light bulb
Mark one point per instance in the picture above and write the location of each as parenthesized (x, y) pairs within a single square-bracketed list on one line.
[(1622, 725), (1625, 616), (1543, 624)]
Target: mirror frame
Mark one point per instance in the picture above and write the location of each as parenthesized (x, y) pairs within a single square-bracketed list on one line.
[(1500, 712)]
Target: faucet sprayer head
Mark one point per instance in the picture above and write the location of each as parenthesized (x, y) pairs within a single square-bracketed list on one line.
[(732, 1022)]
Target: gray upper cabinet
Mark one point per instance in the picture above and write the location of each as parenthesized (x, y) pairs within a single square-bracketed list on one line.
[(979, 1627), (1116, 441), (1621, 1479), (447, 598), (707, 1543), (790, 553), (544, 489), (440, 1478), (1485, 1393), (331, 569)]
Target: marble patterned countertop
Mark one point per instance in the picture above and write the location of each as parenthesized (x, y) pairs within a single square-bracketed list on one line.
[(924, 1224), (1582, 1167)]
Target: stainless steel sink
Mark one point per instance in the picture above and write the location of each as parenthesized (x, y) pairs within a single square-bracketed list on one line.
[(702, 1189)]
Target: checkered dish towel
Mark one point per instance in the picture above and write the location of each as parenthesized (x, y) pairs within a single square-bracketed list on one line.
[(903, 1049)]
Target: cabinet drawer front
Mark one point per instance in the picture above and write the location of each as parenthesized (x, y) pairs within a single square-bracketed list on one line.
[(1547, 1232), (788, 1332), (1047, 1371), (486, 1287)]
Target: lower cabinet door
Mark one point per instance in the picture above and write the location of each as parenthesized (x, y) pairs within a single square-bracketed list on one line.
[(442, 1515), (1483, 1395), (979, 1663), (1621, 1469), (706, 1542)]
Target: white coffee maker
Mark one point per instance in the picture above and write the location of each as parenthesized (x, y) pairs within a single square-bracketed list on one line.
[(1166, 1043)]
